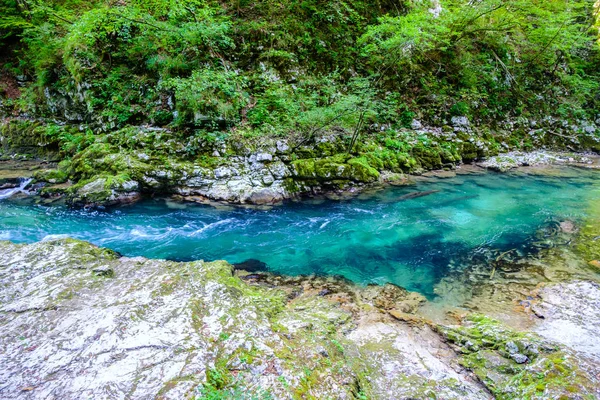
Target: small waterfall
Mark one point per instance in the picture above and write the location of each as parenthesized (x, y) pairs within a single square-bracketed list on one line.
[(6, 193)]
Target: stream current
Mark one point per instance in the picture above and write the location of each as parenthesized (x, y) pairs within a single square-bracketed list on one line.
[(408, 235)]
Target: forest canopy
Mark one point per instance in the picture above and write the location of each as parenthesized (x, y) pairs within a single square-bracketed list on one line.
[(279, 67)]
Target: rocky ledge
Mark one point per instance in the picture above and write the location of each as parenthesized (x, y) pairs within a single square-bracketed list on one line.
[(79, 321), (506, 162), (259, 179), (112, 167)]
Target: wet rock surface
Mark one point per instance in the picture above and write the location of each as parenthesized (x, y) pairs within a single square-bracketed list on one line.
[(80, 321), (507, 161), (570, 314)]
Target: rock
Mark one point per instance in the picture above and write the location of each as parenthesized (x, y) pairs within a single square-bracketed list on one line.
[(282, 147), (491, 351), (159, 328), (262, 157), (129, 186), (10, 182), (392, 297), (441, 174), (322, 351), (104, 271), (252, 265), (404, 357), (568, 227), (103, 192), (508, 161), (93, 187), (571, 316), (279, 170), (266, 196), (460, 122), (511, 347), (519, 358), (223, 172), (405, 317), (162, 328)]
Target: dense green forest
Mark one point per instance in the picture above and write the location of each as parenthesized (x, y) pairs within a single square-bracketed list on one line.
[(298, 69), (274, 67)]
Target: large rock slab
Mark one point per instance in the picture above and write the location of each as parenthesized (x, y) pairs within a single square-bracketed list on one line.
[(77, 321)]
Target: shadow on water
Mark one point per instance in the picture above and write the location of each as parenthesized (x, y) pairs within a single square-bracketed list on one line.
[(252, 265)]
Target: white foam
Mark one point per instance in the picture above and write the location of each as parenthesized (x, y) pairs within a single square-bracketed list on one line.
[(49, 238), (211, 226), (6, 193)]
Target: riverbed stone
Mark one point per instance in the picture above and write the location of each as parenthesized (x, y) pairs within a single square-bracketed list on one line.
[(512, 160)]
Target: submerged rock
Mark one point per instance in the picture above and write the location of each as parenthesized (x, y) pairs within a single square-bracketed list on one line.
[(252, 265)]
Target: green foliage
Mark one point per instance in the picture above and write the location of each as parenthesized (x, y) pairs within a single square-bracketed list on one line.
[(210, 96), (70, 140), (221, 384), (11, 19), (494, 56), (302, 68)]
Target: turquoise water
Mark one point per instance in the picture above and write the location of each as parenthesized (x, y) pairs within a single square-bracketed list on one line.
[(388, 236)]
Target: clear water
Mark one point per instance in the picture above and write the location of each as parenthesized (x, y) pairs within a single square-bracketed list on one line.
[(371, 239)]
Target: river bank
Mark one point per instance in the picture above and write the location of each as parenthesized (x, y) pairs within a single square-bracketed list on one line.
[(120, 167), (44, 180), (78, 321)]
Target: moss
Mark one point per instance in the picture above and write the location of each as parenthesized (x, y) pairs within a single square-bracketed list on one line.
[(51, 175), (468, 151), (291, 186), (587, 244), (428, 158), (100, 189), (84, 165), (484, 344), (362, 171), (336, 168), (28, 138), (206, 161)]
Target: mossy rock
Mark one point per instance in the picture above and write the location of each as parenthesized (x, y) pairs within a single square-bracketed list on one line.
[(51, 176), (428, 158), (339, 167), (362, 171), (103, 190), (28, 138), (515, 365)]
